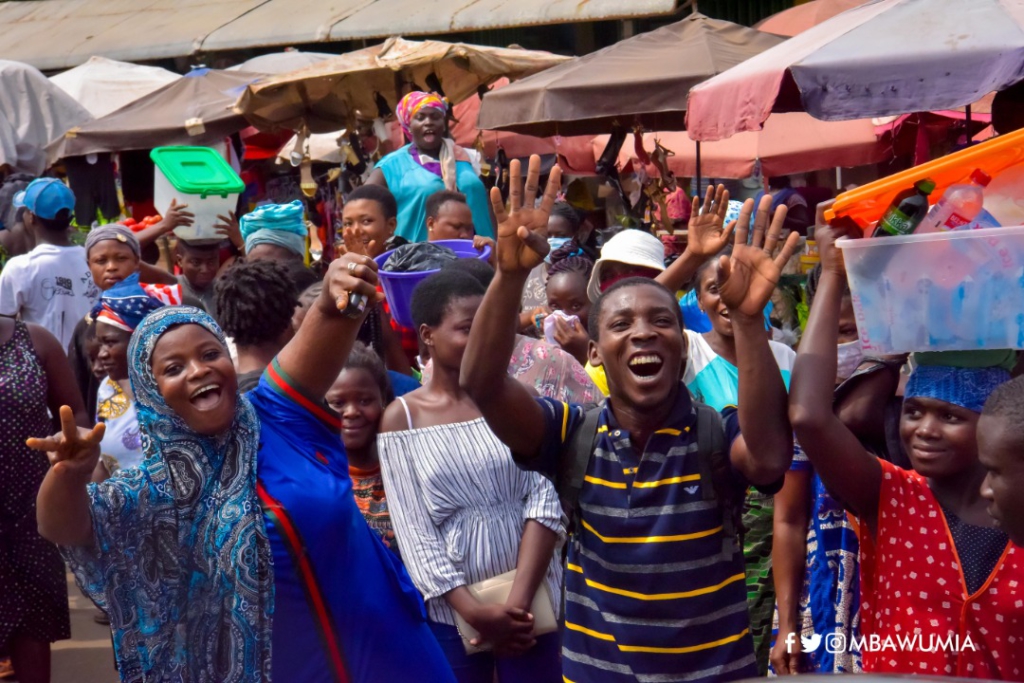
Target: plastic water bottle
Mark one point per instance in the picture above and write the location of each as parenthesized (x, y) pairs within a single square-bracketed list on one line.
[(959, 206), (907, 210)]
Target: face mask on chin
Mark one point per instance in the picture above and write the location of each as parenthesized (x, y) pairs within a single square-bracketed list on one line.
[(848, 356)]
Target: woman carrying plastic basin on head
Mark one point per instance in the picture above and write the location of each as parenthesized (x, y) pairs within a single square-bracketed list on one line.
[(429, 163), (233, 577), (933, 564)]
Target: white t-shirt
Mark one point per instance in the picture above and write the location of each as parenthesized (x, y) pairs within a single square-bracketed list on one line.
[(50, 286)]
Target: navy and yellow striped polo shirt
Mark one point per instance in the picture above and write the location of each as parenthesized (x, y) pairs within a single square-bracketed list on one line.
[(655, 589)]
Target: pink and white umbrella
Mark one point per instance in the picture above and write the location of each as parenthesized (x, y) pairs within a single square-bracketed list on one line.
[(884, 58)]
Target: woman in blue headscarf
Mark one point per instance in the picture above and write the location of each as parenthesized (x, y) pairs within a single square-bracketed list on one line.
[(195, 551)]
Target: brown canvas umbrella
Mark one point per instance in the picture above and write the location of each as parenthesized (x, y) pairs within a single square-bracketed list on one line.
[(324, 97), (193, 110), (641, 80)]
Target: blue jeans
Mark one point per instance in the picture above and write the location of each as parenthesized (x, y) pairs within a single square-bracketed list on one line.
[(540, 664)]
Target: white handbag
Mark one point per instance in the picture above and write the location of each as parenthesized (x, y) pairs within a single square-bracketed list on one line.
[(495, 591)]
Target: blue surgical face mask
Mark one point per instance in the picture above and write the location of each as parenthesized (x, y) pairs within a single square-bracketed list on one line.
[(556, 243)]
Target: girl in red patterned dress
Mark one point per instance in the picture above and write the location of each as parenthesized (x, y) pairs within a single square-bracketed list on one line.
[(942, 588)]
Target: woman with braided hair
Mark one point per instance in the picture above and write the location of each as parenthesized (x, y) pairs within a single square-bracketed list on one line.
[(567, 293), (566, 238)]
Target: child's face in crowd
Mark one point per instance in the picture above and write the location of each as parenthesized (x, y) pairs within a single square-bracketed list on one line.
[(366, 217), (356, 396), (1003, 457), (199, 266), (847, 322), (940, 438), (567, 292), (110, 262), (454, 222)]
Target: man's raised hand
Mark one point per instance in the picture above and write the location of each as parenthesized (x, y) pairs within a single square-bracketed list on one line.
[(523, 226)]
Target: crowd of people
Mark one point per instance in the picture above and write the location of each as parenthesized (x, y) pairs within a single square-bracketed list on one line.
[(583, 462)]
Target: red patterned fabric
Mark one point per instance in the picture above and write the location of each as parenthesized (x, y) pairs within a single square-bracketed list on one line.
[(911, 583)]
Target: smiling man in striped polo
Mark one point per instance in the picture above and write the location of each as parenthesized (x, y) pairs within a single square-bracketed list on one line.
[(654, 587)]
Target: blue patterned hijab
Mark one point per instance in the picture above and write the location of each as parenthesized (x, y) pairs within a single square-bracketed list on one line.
[(182, 563)]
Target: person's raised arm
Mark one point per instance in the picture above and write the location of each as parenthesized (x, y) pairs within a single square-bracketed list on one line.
[(789, 562), (313, 359), (746, 280), (154, 275), (511, 412), (176, 216), (62, 504), (705, 237), (851, 474)]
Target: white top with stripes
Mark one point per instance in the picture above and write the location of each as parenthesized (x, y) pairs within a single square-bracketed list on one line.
[(459, 503)]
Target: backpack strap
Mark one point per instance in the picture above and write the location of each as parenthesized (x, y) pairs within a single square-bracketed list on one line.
[(573, 466), (716, 479)]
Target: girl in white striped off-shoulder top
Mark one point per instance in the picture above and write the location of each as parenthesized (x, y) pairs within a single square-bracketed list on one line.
[(462, 511)]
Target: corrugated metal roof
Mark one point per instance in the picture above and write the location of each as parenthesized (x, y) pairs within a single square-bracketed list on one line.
[(423, 17), (59, 34), (283, 22)]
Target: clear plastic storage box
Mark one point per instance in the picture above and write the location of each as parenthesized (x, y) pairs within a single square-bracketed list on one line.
[(949, 291)]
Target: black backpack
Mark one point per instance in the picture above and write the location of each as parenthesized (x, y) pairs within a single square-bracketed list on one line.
[(716, 480)]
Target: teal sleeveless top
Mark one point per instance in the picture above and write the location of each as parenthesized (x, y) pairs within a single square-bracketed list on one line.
[(412, 184)]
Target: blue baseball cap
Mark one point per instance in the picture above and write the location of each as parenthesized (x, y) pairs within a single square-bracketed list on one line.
[(46, 197)]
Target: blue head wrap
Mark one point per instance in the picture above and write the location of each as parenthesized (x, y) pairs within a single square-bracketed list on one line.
[(185, 568), (965, 387), (125, 304), (279, 224)]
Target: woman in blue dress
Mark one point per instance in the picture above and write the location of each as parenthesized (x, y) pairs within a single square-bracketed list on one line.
[(236, 552), (431, 162)]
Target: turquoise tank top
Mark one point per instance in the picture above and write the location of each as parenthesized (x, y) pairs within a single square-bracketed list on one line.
[(412, 184)]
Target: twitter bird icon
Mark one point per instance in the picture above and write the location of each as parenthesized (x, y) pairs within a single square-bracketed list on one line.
[(810, 643)]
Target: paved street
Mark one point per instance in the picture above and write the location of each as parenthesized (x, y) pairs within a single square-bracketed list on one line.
[(87, 657)]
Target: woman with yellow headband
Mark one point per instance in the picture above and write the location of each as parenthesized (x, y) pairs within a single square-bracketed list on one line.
[(431, 162)]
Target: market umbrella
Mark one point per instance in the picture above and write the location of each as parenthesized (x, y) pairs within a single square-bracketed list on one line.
[(193, 110), (33, 111), (281, 62), (326, 96), (789, 143), (573, 152), (883, 58), (104, 85), (641, 80), (790, 22)]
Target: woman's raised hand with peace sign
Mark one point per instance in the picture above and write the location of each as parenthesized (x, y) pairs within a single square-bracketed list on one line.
[(73, 451), (523, 226), (747, 279)]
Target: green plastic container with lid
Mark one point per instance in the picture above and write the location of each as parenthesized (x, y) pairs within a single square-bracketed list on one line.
[(199, 177)]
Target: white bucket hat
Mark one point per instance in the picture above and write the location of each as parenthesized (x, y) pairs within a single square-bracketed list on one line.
[(632, 247)]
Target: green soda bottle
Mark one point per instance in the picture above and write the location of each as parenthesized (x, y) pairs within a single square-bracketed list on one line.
[(907, 210)]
